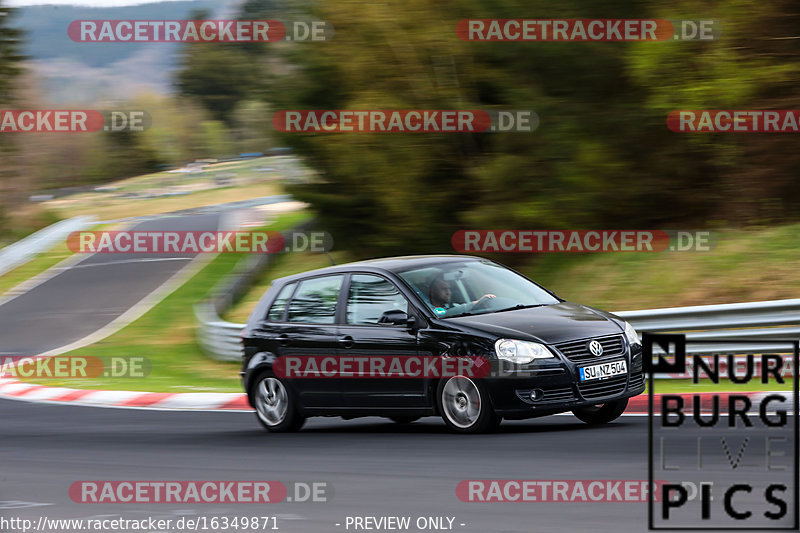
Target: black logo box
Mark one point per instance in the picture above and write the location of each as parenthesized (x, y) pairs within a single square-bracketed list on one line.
[(664, 341)]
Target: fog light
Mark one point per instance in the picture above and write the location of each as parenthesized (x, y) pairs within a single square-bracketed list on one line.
[(537, 394)]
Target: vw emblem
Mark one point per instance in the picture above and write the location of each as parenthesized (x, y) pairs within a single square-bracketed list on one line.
[(596, 348)]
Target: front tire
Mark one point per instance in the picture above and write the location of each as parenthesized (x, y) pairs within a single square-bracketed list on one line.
[(603, 413), (465, 407), (276, 407)]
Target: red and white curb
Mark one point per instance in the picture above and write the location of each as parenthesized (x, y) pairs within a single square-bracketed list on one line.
[(179, 401), (218, 401)]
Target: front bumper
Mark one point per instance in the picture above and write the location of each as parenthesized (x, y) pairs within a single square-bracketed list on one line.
[(557, 388)]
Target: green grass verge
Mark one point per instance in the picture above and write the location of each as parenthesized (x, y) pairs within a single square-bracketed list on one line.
[(165, 335), (745, 265), (27, 221), (40, 263), (34, 267)]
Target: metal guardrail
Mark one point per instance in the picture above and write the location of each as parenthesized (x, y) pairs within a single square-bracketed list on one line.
[(758, 322), (724, 322), (220, 339), (22, 251), (727, 316)]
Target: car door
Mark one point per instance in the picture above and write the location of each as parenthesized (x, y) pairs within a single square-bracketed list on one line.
[(268, 333), (367, 333), (310, 330)]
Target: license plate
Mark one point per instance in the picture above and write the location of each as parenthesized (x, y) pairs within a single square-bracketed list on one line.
[(606, 370)]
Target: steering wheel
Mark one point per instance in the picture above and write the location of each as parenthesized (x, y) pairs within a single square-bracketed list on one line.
[(482, 303)]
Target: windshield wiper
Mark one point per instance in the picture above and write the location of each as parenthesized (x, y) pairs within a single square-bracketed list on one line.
[(519, 306), (514, 308)]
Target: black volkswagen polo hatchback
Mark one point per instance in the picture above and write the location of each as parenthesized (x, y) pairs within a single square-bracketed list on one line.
[(460, 337)]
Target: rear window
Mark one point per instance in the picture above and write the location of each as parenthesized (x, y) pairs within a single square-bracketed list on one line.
[(276, 312)]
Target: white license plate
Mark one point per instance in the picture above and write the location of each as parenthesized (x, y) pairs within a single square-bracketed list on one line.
[(606, 370)]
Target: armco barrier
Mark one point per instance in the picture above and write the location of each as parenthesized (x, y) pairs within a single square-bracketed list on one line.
[(220, 339), (740, 321), (22, 251), (751, 321)]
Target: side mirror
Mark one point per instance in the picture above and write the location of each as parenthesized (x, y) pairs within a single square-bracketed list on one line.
[(395, 317)]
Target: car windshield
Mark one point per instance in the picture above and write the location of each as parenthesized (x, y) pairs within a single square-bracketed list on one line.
[(474, 288)]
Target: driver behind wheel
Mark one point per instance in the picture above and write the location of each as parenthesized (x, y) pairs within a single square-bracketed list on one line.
[(440, 293)]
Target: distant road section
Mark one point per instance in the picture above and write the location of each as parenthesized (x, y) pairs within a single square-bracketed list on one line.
[(92, 293)]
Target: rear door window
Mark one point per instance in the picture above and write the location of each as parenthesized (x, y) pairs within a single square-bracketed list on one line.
[(315, 300)]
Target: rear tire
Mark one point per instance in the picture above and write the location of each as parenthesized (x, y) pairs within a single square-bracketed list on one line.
[(603, 413), (465, 406), (276, 406)]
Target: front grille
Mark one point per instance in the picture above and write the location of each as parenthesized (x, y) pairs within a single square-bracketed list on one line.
[(578, 351), (601, 388), (560, 394)]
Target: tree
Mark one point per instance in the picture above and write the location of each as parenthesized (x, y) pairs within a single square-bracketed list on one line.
[(395, 193), (10, 54), (218, 75), (10, 68), (602, 156)]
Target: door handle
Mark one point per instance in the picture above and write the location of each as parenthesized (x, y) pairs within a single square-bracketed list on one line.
[(283, 339), (346, 341)]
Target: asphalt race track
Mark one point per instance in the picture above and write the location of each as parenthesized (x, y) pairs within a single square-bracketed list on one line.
[(90, 294), (374, 466)]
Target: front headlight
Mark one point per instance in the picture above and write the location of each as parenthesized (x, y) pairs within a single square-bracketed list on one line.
[(633, 337), (521, 352)]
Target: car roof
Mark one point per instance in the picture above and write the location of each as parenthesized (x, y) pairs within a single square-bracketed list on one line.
[(385, 264)]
